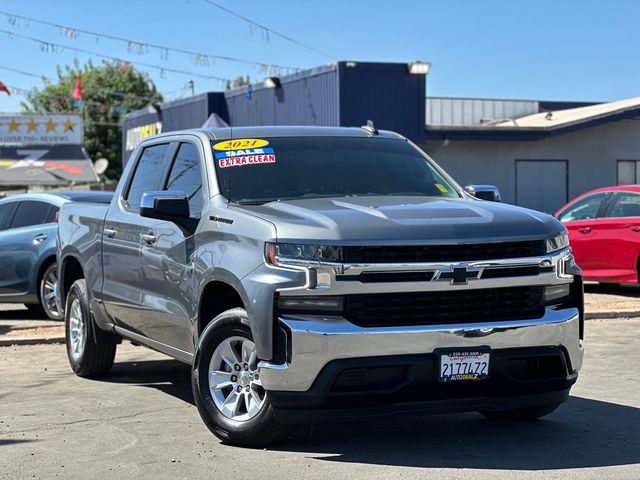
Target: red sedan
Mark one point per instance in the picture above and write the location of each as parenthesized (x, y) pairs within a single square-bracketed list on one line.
[(604, 232)]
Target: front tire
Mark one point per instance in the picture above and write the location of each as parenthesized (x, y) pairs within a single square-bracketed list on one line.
[(47, 292), (226, 384), (521, 414), (86, 357)]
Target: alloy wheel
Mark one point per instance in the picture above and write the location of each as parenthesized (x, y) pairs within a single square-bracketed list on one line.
[(234, 380), (77, 330), (48, 287)]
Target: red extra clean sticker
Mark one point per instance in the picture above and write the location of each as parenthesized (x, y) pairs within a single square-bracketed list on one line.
[(242, 160)]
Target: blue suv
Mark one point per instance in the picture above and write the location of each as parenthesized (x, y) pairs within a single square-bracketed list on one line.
[(28, 234)]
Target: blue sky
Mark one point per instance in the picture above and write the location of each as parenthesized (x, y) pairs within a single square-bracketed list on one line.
[(552, 50)]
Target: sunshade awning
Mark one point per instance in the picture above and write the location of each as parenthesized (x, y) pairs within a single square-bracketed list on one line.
[(45, 165)]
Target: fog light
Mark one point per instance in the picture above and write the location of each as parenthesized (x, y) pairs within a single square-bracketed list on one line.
[(310, 304), (555, 292)]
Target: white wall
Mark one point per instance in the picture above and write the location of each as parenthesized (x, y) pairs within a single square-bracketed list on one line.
[(592, 155)]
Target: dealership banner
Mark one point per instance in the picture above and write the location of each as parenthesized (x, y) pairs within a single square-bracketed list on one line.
[(45, 165), (41, 129)]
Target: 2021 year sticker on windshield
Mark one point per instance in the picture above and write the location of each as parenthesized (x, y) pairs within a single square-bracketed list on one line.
[(243, 152)]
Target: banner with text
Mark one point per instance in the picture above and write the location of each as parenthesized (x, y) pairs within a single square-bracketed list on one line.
[(41, 129)]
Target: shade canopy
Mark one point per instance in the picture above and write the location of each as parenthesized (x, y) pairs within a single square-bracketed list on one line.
[(45, 165)]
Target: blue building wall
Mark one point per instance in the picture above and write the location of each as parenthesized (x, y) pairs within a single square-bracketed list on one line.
[(306, 98), (385, 93)]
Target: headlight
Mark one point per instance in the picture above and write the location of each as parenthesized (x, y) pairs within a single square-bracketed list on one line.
[(302, 252), (557, 242)]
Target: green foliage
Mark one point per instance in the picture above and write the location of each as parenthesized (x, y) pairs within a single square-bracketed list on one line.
[(238, 82), (109, 91)]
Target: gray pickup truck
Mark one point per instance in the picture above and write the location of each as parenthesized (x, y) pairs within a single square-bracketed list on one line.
[(321, 274)]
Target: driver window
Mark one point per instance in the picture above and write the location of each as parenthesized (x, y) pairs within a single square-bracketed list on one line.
[(186, 176), (585, 209)]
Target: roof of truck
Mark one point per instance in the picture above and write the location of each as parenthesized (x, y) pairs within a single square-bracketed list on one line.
[(286, 131)]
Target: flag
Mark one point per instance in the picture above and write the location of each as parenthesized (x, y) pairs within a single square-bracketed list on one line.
[(77, 91), (5, 89)]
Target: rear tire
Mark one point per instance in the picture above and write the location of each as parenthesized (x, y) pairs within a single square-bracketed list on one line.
[(86, 357), (47, 293), (226, 385), (521, 414)]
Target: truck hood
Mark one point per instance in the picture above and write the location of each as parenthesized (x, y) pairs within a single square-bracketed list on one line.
[(397, 220)]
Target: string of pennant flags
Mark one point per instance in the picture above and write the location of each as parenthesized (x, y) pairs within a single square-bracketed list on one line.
[(139, 48), (75, 103), (53, 47), (266, 32)]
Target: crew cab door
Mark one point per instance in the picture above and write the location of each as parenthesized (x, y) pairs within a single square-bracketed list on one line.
[(123, 237), (169, 303)]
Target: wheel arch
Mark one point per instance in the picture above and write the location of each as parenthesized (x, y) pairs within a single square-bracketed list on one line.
[(217, 296), (70, 270)]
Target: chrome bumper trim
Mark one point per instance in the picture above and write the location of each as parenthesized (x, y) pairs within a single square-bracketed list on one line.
[(315, 341)]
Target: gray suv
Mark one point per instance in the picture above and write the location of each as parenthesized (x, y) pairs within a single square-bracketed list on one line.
[(319, 274)]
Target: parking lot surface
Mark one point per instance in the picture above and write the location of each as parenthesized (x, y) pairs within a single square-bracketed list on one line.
[(140, 422)]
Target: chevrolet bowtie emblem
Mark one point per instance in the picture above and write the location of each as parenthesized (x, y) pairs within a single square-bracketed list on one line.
[(458, 275)]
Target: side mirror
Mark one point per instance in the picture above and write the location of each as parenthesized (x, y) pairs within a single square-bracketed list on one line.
[(484, 192), (171, 205)]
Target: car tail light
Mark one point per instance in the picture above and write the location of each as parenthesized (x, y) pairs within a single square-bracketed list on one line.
[(57, 216)]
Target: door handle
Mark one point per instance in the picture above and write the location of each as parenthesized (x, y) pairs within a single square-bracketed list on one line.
[(149, 238), (38, 239), (584, 230), (110, 232), (635, 228)]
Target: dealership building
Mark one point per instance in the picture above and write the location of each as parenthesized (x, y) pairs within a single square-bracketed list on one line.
[(539, 153)]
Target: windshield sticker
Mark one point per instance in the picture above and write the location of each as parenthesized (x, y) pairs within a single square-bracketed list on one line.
[(251, 156), (441, 187), (241, 143)]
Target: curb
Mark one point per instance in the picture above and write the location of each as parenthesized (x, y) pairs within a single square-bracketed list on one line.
[(605, 315), (8, 342)]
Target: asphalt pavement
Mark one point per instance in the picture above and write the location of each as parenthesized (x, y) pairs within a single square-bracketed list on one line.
[(140, 422)]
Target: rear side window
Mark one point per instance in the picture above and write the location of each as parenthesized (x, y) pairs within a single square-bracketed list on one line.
[(624, 205), (6, 212), (148, 173), (30, 213), (186, 176)]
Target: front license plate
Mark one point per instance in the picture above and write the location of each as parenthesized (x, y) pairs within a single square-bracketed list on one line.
[(463, 365)]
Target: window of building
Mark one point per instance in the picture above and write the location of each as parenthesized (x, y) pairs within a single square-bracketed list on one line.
[(186, 176), (148, 174), (628, 172)]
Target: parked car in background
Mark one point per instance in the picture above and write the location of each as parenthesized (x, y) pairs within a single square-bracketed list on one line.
[(28, 232), (604, 232)]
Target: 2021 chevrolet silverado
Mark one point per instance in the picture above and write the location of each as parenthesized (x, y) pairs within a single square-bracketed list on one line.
[(314, 274)]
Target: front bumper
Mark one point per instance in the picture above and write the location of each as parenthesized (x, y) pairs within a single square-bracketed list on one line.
[(314, 342)]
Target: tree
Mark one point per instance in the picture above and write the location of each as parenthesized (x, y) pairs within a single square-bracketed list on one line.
[(238, 82), (109, 91)]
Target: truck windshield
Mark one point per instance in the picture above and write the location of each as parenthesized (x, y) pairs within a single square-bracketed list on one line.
[(255, 171)]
